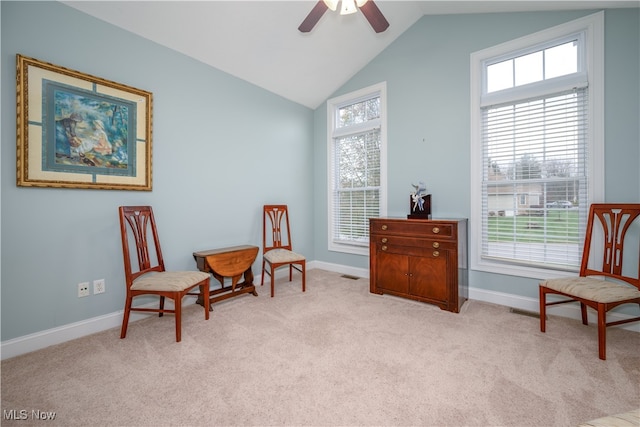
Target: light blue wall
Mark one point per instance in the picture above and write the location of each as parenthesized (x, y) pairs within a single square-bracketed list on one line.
[(221, 149), (427, 75), (218, 144)]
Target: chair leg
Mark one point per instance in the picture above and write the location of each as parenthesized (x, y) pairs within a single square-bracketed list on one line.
[(583, 310), (125, 319), (290, 272), (602, 331), (160, 314), (204, 291), (272, 280), (304, 271), (178, 313), (543, 309)]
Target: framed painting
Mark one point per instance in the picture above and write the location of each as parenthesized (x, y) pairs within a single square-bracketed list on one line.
[(79, 131)]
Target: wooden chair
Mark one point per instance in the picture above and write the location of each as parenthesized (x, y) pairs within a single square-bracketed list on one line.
[(276, 245), (150, 278), (614, 221)]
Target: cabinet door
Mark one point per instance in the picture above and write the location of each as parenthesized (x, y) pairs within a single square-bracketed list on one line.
[(392, 272), (429, 276)]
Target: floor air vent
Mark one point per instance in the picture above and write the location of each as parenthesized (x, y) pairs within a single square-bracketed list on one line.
[(348, 276), (525, 313)]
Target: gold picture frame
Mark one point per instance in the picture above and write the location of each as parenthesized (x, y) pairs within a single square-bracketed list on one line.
[(75, 130)]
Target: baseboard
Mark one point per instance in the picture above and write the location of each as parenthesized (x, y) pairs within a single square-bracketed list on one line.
[(571, 311), (39, 340), (342, 269), (32, 342), (36, 341)]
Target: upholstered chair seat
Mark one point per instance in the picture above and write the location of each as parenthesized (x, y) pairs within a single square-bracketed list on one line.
[(282, 255), (173, 281), (626, 419), (593, 289)]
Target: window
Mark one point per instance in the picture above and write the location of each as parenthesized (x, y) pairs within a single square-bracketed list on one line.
[(356, 167), (537, 149)]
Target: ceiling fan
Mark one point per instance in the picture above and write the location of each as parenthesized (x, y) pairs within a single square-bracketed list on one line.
[(367, 7)]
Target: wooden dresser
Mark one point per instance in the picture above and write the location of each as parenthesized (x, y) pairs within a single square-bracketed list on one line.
[(424, 260)]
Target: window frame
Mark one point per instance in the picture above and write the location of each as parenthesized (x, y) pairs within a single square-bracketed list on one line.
[(333, 106), (593, 28)]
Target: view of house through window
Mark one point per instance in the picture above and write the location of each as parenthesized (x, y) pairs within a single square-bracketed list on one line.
[(356, 167), (533, 152), (536, 179)]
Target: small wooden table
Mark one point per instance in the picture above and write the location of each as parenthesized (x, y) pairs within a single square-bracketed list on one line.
[(234, 262)]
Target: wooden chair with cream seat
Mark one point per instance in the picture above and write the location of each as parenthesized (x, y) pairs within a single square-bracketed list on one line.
[(276, 245), (150, 276), (602, 283)]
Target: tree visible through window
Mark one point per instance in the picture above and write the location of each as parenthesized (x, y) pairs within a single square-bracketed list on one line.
[(356, 167)]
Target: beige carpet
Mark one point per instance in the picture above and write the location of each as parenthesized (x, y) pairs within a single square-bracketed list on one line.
[(335, 355)]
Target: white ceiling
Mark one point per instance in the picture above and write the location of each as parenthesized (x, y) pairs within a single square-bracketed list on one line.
[(258, 41)]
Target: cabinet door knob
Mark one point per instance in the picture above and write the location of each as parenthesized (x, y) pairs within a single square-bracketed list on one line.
[(436, 253), (384, 240), (384, 247), (436, 230), (436, 245), (384, 226)]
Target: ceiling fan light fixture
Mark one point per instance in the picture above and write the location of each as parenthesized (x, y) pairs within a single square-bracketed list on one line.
[(331, 4), (348, 7), (368, 8)]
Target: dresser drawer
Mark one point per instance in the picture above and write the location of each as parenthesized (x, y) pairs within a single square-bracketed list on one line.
[(422, 228), (431, 242), (417, 251)]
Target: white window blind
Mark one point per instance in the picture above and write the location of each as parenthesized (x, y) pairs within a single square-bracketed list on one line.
[(357, 182), (535, 180)]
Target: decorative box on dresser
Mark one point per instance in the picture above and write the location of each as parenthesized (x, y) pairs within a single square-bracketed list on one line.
[(424, 260)]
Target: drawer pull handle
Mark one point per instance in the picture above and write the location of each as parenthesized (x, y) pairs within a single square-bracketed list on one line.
[(436, 253), (384, 247), (384, 226), (436, 230), (385, 240), (436, 245)]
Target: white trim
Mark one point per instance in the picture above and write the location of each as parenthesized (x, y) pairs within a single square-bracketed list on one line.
[(535, 90), (594, 27), (342, 269), (39, 340), (571, 311)]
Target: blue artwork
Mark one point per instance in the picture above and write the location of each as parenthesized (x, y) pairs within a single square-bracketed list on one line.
[(87, 132)]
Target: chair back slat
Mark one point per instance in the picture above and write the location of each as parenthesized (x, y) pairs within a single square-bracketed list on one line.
[(614, 221), (275, 228), (139, 223)]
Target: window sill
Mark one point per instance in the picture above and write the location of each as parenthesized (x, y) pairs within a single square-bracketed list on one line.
[(520, 270), (349, 249)]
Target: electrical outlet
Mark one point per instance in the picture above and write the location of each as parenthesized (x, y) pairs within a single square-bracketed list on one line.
[(83, 289), (99, 286)]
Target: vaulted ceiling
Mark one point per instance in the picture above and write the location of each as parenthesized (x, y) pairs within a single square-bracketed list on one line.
[(258, 41)]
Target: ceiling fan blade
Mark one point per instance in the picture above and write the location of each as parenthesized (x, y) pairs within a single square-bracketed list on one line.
[(374, 16), (313, 17)]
